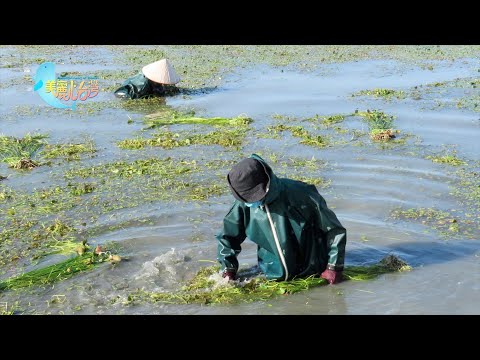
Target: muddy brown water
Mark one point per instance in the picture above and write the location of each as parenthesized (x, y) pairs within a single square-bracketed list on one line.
[(367, 182)]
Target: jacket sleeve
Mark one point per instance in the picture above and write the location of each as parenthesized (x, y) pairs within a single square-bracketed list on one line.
[(335, 236), (230, 238)]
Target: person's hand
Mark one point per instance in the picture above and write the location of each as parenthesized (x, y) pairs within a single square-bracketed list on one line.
[(229, 275), (332, 276)]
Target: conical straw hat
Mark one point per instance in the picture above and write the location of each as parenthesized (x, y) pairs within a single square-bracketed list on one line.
[(161, 72)]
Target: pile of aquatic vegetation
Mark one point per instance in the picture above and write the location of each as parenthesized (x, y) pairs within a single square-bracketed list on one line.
[(86, 259), (382, 135), (207, 286), (300, 132), (18, 152), (169, 140), (186, 120), (69, 151), (379, 124), (382, 93)]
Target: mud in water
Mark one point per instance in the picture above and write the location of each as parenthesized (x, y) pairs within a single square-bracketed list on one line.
[(377, 189)]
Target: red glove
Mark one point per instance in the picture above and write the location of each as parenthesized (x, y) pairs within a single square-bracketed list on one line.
[(332, 276), (229, 275)]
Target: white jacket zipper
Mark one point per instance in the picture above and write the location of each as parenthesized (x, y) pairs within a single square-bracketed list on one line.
[(277, 243)]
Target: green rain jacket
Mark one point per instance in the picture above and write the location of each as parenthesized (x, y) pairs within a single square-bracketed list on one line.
[(138, 87), (296, 233)]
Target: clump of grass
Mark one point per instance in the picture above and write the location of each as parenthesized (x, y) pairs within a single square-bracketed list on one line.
[(382, 93), (203, 289), (169, 140), (379, 124), (300, 132), (88, 259), (447, 159), (376, 119), (69, 151), (218, 121), (18, 152)]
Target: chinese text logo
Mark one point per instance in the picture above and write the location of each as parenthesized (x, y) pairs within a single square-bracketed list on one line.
[(52, 90)]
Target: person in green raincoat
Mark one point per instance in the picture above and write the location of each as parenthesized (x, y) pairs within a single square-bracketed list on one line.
[(156, 79), (296, 233)]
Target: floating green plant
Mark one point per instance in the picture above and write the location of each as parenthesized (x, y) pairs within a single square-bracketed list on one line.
[(300, 132), (81, 189), (18, 152), (69, 151), (313, 180), (447, 159), (332, 119), (167, 168), (447, 224), (201, 192), (203, 289), (468, 191), (218, 121), (382, 93), (169, 140)]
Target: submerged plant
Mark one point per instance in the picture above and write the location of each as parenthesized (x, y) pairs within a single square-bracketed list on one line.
[(205, 289)]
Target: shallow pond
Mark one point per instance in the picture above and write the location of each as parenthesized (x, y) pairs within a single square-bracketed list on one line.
[(165, 242)]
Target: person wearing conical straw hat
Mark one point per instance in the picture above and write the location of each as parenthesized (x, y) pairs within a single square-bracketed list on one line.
[(157, 79)]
